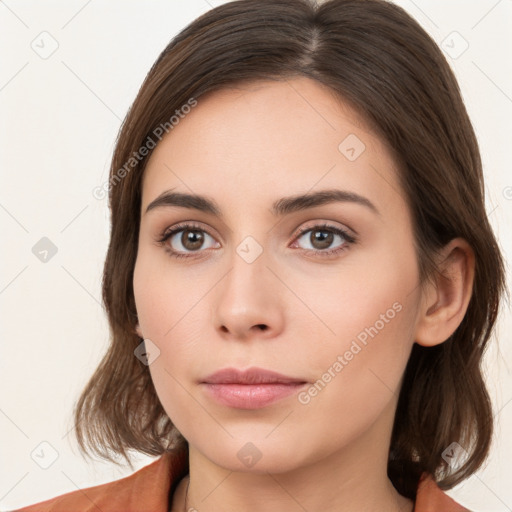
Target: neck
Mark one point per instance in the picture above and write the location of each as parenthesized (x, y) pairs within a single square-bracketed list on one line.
[(353, 478)]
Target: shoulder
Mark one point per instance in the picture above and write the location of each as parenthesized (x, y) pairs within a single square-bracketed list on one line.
[(430, 498), (145, 490)]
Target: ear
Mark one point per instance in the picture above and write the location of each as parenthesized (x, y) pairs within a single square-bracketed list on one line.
[(138, 330), (446, 298)]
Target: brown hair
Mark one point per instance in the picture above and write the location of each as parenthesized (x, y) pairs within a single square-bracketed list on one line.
[(374, 56)]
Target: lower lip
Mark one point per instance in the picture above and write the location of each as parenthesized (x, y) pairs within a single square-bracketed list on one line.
[(250, 396)]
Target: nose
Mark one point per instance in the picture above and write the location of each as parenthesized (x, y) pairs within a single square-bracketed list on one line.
[(248, 302)]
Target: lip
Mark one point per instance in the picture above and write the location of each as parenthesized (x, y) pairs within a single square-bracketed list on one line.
[(250, 376), (253, 388)]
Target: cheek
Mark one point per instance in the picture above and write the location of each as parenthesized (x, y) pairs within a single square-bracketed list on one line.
[(370, 312), (167, 317), (171, 389), (162, 296), (364, 298), (171, 314), (359, 371)]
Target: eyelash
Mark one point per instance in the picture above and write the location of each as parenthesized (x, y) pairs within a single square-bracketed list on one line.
[(349, 239)]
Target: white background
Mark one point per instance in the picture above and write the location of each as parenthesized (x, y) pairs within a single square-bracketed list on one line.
[(59, 119)]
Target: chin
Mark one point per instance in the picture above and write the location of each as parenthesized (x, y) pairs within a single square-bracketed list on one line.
[(251, 454)]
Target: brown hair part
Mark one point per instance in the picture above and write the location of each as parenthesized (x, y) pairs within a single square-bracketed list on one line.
[(375, 57)]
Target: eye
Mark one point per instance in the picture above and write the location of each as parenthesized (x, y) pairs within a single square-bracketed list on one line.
[(322, 237), (185, 239)]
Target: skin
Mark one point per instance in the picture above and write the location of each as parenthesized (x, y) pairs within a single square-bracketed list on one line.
[(245, 148)]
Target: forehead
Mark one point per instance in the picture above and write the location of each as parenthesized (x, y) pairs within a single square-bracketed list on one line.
[(253, 143)]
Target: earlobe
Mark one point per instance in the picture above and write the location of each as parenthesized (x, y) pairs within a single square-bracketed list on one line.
[(445, 300), (138, 330)]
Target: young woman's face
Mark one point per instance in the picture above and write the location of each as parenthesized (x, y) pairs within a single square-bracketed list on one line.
[(272, 283)]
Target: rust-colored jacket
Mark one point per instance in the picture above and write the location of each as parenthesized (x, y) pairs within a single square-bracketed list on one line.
[(149, 490)]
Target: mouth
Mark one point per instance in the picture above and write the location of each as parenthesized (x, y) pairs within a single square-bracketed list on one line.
[(250, 376), (250, 389)]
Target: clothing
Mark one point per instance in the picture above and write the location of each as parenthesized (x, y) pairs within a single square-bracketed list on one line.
[(150, 490)]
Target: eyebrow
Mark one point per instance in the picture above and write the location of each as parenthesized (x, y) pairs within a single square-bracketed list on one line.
[(283, 206)]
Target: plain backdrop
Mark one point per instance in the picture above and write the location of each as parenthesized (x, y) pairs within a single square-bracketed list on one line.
[(69, 71)]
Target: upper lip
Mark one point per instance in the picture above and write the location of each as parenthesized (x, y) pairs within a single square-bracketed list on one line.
[(250, 376)]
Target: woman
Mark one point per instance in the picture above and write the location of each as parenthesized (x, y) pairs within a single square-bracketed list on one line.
[(301, 278)]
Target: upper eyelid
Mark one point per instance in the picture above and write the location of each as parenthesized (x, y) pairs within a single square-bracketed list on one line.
[(324, 224)]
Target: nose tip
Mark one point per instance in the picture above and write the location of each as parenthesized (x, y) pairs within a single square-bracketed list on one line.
[(248, 302)]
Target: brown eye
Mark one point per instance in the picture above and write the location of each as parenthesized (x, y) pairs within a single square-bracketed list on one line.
[(192, 239), (184, 240), (324, 240), (189, 240), (321, 239)]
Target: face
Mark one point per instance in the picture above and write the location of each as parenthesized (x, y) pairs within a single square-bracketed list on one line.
[(322, 291)]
